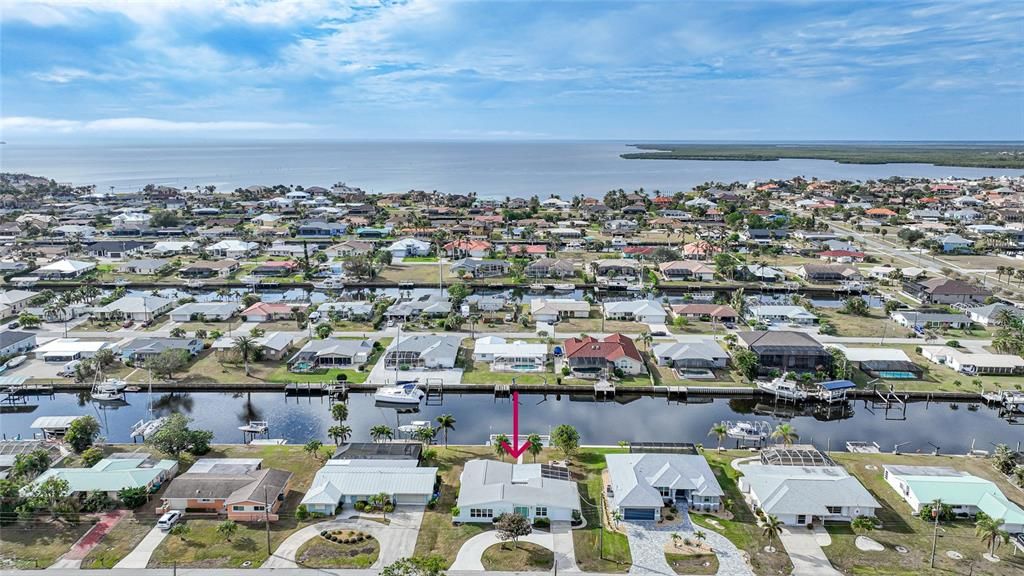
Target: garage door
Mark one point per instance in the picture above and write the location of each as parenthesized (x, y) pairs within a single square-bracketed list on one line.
[(409, 499), (638, 514)]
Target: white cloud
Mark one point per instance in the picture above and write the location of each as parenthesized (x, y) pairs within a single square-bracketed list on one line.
[(35, 124)]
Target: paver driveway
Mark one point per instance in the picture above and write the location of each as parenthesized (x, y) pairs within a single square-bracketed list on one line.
[(647, 543)]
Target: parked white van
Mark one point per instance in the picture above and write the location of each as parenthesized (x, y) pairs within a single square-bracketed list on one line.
[(168, 520)]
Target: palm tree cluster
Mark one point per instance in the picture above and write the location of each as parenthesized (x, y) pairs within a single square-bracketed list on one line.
[(340, 432), (1009, 339), (58, 306)]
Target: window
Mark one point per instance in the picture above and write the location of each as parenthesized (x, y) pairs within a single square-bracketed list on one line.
[(665, 492), (481, 513), (540, 511), (259, 508), (237, 508), (834, 509)]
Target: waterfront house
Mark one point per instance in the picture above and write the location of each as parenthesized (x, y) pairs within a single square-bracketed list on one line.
[(946, 291), (686, 270), (646, 311), (145, 267), (138, 308), (392, 450), (488, 489), (238, 488), (409, 247), (356, 310), (423, 351), (554, 309), (702, 353), (514, 356), (642, 484), (13, 343), (889, 363), (770, 314), (713, 312), (206, 311), (828, 273), (784, 351), (268, 311), (321, 229), (173, 247), (480, 268), (68, 349), (464, 248), (209, 269), (234, 249), (618, 268), (759, 273), (114, 249), (139, 350), (64, 269), (589, 356), (275, 268), (800, 485), (431, 305), (965, 493), (550, 268), (111, 474), (280, 248), (929, 319), (332, 353), (345, 481), (989, 315), (974, 363)]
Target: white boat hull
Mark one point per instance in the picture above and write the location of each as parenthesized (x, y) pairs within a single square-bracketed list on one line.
[(408, 395)]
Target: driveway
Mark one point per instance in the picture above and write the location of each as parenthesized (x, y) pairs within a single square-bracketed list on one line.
[(647, 547), (559, 541), (397, 540), (139, 557), (805, 552)]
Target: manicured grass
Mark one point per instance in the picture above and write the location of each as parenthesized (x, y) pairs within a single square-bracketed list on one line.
[(742, 530), (900, 527), (942, 378), (526, 556), (594, 326), (117, 543), (695, 564), (416, 259), (318, 552), (38, 544), (413, 273), (480, 373), (614, 556), (282, 374)]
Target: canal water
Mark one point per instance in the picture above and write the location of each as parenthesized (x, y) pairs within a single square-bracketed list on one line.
[(921, 426)]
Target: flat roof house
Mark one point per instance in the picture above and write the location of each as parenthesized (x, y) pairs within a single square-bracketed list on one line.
[(800, 493), (350, 481), (514, 356), (646, 311), (112, 474), (785, 351), (13, 343), (489, 489), (239, 488), (973, 363), (67, 349), (966, 493), (423, 351), (642, 484), (589, 357)]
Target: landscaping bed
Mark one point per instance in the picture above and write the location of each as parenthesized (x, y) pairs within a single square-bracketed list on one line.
[(339, 549)]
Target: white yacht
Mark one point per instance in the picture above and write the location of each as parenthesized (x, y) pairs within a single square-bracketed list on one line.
[(782, 388), (405, 394), (746, 431)]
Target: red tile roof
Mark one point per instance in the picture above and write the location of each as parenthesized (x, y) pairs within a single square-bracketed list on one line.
[(611, 348)]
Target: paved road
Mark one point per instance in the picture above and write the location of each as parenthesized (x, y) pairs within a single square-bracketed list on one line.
[(139, 557)]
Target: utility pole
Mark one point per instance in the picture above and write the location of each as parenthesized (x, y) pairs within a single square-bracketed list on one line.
[(266, 518), (936, 509)]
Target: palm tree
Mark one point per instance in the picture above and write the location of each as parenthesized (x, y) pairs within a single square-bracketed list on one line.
[(991, 532), (700, 535), (339, 433), (646, 338), (535, 445), (719, 431), (425, 434), (675, 539), (339, 412), (246, 347), (227, 529), (786, 433), (446, 422), (473, 319), (771, 527), (381, 432), (499, 449)]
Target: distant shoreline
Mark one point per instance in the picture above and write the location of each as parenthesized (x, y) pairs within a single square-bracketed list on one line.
[(1009, 156)]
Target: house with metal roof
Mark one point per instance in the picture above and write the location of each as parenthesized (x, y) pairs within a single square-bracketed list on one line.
[(139, 308), (110, 475), (800, 485), (642, 484), (966, 493), (64, 269), (488, 489), (348, 481)]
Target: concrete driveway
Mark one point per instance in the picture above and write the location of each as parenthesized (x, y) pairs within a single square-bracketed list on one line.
[(805, 552), (397, 540), (139, 557), (559, 541)]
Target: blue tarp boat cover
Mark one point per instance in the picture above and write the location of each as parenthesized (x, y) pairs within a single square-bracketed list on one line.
[(832, 385)]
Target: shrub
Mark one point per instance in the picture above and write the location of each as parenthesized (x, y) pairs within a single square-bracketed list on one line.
[(302, 513), (91, 456), (542, 522)]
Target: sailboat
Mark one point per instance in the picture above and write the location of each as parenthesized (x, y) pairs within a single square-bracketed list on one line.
[(145, 428)]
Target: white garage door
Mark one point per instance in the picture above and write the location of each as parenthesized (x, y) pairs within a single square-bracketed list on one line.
[(410, 499)]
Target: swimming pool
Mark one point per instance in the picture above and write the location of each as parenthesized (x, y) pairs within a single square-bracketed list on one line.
[(897, 375)]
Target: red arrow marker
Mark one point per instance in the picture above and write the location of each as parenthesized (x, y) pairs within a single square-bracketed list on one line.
[(518, 450)]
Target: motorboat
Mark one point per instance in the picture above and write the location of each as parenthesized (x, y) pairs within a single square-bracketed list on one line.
[(15, 362), (1013, 399), (782, 388), (404, 394), (413, 426), (565, 287), (330, 283), (538, 287), (746, 431), (195, 283)]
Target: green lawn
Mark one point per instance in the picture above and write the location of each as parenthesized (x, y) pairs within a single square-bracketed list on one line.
[(438, 536), (117, 543), (874, 324), (505, 557), (900, 527), (480, 373), (590, 556), (941, 378), (419, 259), (282, 374), (38, 544)]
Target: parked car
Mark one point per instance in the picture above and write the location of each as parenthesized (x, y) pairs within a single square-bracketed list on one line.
[(14, 325), (127, 323), (168, 520), (509, 317), (146, 324)]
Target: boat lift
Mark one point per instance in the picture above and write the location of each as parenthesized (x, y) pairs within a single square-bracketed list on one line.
[(889, 401), (254, 429)]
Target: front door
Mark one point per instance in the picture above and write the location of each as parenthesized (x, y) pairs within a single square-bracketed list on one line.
[(522, 511)]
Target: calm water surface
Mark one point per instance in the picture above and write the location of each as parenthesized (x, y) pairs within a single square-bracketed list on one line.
[(491, 169), (478, 416)]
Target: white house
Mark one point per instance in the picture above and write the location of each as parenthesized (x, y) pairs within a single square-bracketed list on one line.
[(173, 247), (12, 302), (554, 309), (13, 343), (967, 494), (646, 311), (515, 356), (769, 314), (351, 481), (211, 311), (233, 249), (489, 489), (409, 247), (642, 484), (138, 308), (972, 363), (67, 349), (423, 351), (64, 269)]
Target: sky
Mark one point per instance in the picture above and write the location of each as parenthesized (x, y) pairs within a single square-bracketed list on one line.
[(440, 69)]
